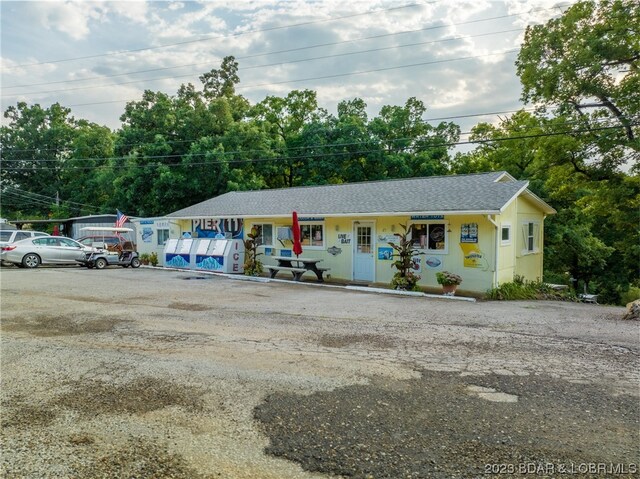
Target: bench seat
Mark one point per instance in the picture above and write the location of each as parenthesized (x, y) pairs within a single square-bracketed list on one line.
[(296, 272)]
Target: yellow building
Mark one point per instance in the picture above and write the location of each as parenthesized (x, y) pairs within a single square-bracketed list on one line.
[(486, 227)]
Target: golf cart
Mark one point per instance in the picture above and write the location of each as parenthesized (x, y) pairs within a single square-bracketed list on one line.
[(112, 246)]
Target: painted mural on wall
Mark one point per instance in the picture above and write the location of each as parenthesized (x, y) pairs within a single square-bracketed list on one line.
[(433, 262), (385, 253), (177, 253), (218, 227)]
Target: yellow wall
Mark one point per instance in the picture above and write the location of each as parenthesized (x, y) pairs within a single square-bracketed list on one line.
[(528, 265), (478, 274), (477, 279)]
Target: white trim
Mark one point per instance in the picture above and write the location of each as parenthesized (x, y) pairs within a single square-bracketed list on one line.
[(537, 234), (507, 242), (374, 246), (324, 235), (446, 235), (273, 233), (342, 215), (504, 175)]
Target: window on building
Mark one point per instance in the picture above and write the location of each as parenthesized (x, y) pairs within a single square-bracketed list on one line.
[(430, 236), (505, 236), (163, 236), (530, 235), (312, 234), (264, 235)]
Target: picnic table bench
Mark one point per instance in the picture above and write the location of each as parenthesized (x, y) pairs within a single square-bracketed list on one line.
[(302, 265)]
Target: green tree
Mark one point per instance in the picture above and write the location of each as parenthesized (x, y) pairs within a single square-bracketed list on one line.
[(584, 65), (37, 145)]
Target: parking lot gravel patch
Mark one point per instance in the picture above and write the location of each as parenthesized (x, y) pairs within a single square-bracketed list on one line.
[(136, 397), (432, 427), (60, 325)]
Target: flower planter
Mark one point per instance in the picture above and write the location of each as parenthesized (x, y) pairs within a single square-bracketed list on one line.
[(449, 289)]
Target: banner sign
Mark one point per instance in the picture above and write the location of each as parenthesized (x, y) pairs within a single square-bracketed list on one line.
[(218, 228), (428, 217)]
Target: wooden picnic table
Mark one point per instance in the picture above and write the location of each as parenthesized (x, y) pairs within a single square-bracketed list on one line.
[(297, 266)]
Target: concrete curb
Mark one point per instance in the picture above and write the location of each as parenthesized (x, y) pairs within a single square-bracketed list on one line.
[(364, 289)]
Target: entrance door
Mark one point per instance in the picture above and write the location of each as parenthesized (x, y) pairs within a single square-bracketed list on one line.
[(363, 259)]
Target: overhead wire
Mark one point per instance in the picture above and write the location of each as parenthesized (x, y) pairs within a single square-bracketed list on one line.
[(413, 148), (224, 37), (251, 67), (242, 87), (193, 140)]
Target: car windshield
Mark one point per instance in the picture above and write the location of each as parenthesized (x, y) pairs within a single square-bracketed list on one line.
[(5, 235)]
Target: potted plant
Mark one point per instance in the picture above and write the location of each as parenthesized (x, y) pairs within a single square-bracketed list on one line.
[(449, 282), (153, 259), (144, 258), (252, 265), (404, 278)]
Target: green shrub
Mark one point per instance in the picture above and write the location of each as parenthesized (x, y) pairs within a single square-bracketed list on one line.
[(520, 288), (153, 259), (631, 295)]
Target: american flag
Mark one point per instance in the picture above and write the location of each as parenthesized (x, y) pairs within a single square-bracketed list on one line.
[(121, 219)]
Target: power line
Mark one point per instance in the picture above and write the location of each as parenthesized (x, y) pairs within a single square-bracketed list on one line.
[(172, 142), (177, 155), (325, 154), (462, 37), (240, 87), (45, 197), (234, 35)]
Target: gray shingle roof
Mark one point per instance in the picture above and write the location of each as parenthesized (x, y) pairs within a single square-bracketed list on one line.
[(436, 194)]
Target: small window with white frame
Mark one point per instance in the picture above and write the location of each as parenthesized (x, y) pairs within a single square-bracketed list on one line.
[(163, 236), (505, 234), (312, 235), (264, 234), (430, 236), (531, 237)]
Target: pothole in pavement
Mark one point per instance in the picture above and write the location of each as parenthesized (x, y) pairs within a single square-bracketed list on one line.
[(443, 425)]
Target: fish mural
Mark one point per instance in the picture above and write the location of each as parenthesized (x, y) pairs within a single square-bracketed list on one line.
[(433, 262)]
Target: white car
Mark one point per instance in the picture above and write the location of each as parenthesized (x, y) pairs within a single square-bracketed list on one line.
[(11, 236), (32, 252)]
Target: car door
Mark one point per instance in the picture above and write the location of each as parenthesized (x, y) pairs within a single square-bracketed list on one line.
[(47, 248), (69, 251)]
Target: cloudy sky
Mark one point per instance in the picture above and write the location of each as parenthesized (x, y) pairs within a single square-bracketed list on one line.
[(456, 56)]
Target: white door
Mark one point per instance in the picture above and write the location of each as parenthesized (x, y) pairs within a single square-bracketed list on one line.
[(363, 259)]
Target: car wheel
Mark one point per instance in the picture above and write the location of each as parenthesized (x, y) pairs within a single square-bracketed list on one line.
[(135, 263), (100, 263), (31, 260)]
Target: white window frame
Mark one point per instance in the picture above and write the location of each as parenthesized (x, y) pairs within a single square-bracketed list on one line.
[(166, 237), (505, 242), (446, 236), (531, 236), (273, 231), (311, 224)]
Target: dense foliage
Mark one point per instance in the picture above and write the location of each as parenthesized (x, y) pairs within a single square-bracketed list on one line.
[(579, 149)]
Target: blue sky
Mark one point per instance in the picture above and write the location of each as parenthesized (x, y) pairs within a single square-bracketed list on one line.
[(95, 56)]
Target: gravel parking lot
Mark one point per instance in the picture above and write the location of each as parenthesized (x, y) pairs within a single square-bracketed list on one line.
[(150, 373)]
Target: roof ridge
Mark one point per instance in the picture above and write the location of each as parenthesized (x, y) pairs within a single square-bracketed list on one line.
[(387, 180)]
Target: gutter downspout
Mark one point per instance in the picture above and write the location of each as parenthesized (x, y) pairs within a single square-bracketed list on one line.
[(495, 241)]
